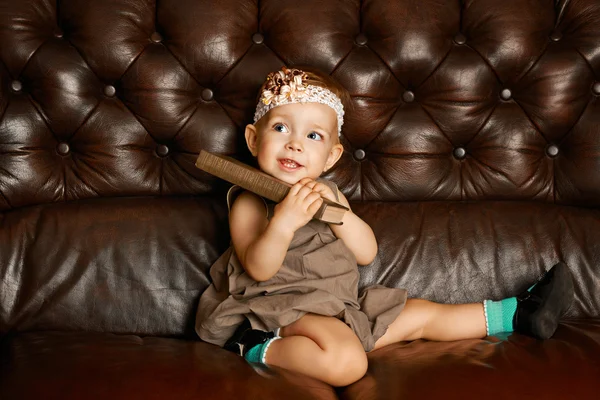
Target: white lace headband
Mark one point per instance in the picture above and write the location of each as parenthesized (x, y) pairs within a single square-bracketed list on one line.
[(287, 87)]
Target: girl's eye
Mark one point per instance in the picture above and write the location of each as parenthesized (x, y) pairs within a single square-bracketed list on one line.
[(315, 136), (280, 128)]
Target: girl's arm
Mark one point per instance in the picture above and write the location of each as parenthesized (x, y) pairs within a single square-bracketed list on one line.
[(356, 233), (260, 244)]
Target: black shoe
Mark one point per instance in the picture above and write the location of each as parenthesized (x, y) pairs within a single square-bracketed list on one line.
[(244, 338), (540, 308)]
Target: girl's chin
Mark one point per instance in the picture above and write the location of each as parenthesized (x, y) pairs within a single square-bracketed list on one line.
[(292, 180), (288, 177)]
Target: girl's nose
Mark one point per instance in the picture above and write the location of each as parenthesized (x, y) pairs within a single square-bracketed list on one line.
[(294, 145)]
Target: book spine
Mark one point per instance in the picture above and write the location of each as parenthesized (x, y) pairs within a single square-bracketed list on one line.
[(251, 179), (247, 179)]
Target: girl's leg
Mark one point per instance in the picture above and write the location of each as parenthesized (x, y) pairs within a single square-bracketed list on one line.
[(422, 319), (536, 313), (321, 347)]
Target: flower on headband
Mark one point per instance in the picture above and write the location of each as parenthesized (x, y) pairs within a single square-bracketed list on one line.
[(284, 85), (288, 86)]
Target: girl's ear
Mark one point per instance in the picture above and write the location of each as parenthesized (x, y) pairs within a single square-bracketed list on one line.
[(334, 155), (251, 139)]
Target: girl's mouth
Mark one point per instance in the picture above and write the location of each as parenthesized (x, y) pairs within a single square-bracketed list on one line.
[(288, 165)]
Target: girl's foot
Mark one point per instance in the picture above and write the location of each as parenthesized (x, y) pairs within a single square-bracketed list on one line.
[(246, 338), (540, 307), (252, 344)]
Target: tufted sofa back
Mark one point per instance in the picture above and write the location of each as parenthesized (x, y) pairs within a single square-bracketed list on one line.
[(452, 100), (474, 124)]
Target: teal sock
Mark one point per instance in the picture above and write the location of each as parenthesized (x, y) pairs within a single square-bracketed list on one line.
[(258, 353), (499, 315)]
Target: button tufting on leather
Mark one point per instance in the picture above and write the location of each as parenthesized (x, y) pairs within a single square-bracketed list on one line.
[(207, 94), (63, 149), (162, 150), (156, 37), (58, 34), (459, 153), (360, 39), (109, 90), (16, 86), (552, 150), (596, 88), (258, 38), (359, 154), (555, 36), (408, 96), (460, 38), (505, 94)]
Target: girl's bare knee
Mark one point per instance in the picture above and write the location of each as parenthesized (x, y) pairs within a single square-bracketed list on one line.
[(346, 365)]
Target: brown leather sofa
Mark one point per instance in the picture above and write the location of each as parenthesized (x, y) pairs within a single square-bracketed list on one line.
[(473, 150)]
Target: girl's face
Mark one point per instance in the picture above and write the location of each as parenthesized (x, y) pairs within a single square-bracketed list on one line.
[(295, 141)]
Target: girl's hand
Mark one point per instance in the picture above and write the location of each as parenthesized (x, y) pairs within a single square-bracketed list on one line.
[(297, 208), (324, 190)]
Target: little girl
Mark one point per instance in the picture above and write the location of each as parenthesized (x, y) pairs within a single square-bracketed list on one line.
[(286, 292)]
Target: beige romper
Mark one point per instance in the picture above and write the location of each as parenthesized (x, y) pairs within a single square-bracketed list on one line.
[(319, 275)]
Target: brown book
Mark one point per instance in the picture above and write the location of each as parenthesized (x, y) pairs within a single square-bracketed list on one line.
[(262, 184)]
